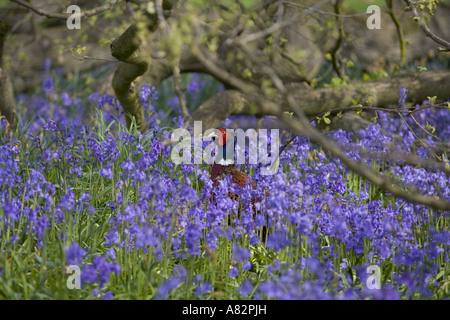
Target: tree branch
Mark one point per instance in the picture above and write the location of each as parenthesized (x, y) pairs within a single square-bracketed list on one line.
[(334, 52), (400, 35), (427, 30), (302, 127), (133, 64), (7, 101), (65, 16)]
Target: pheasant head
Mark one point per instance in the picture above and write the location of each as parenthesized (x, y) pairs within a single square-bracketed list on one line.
[(222, 137)]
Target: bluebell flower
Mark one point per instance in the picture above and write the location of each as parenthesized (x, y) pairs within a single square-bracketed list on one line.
[(47, 65), (166, 287), (51, 126), (48, 84), (247, 265), (240, 254), (234, 272), (402, 98), (66, 100), (246, 288), (106, 171), (203, 288), (193, 86), (74, 254)]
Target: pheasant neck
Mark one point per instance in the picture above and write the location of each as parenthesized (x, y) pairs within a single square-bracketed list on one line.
[(223, 160)]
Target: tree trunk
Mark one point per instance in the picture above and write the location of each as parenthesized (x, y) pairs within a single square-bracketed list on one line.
[(7, 102)]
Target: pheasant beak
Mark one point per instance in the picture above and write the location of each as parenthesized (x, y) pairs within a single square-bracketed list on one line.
[(212, 135)]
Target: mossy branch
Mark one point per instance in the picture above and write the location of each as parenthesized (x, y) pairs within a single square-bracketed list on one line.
[(133, 65), (7, 101), (401, 38)]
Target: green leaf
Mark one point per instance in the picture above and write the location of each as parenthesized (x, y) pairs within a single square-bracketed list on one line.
[(431, 128), (432, 99), (248, 4), (325, 119)]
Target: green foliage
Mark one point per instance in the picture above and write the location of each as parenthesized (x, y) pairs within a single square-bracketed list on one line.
[(432, 99), (338, 83), (429, 5), (361, 5)]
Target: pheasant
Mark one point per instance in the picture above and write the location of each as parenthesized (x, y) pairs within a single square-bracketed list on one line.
[(224, 167)]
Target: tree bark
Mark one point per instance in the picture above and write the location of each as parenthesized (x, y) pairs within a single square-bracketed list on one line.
[(384, 93), (133, 64), (7, 102)]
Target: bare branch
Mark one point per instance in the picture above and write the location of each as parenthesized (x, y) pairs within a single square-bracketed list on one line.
[(65, 16), (400, 35), (427, 30), (302, 127), (420, 140), (245, 39), (334, 52), (322, 12)]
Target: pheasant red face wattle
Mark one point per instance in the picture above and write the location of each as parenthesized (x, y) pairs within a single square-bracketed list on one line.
[(223, 136)]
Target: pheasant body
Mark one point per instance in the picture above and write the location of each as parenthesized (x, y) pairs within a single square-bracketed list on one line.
[(219, 172), (226, 167)]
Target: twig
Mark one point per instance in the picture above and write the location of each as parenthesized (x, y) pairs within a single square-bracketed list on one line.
[(370, 108), (210, 63), (426, 131), (20, 22), (243, 40), (326, 12), (401, 38), (86, 57), (334, 59), (403, 158), (409, 127), (83, 15), (427, 30), (301, 126)]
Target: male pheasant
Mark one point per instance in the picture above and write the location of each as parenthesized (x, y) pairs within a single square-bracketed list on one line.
[(224, 167)]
